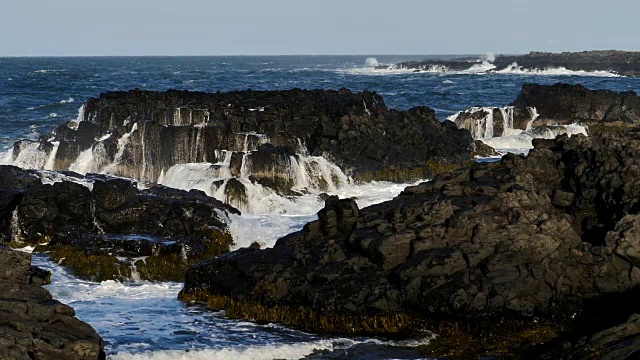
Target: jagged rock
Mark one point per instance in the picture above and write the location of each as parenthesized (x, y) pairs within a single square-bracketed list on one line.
[(503, 119), (620, 62), (94, 229), (565, 103), (542, 109), (483, 150), (39, 276), (162, 129), (33, 325), (537, 236), (625, 63)]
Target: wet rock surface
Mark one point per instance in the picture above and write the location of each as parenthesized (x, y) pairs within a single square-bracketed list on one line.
[(142, 133), (626, 63), (566, 103), (32, 324), (540, 109), (111, 229), (536, 237)]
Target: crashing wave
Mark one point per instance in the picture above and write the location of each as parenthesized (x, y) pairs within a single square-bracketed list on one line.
[(509, 129), (515, 69)]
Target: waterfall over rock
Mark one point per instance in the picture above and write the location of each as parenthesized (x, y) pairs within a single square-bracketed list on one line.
[(288, 143)]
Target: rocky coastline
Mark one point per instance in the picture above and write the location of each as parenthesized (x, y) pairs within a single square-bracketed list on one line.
[(544, 106), (530, 240), (105, 228), (142, 134), (624, 63), (518, 258)]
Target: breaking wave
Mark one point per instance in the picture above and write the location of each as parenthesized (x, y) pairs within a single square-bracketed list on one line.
[(372, 62), (514, 69)]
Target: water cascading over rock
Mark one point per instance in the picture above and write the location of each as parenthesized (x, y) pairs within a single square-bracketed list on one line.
[(285, 142)]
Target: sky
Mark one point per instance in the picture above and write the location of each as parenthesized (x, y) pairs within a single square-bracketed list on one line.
[(313, 27)]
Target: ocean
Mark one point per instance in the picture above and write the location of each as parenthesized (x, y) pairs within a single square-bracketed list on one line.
[(144, 320)]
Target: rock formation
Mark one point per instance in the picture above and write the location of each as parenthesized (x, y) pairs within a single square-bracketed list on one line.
[(549, 107), (106, 228), (536, 237), (564, 103), (32, 324), (626, 63), (142, 134)]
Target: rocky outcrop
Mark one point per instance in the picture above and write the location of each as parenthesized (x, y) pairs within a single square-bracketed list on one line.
[(142, 134), (626, 63), (488, 122), (32, 324), (545, 107), (432, 65), (534, 237), (106, 228), (564, 103)]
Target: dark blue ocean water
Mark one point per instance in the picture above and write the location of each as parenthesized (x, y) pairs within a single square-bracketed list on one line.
[(144, 320), (37, 94)]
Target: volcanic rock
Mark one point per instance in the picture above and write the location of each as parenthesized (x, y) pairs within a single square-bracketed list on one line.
[(111, 229), (32, 324), (534, 237), (141, 134)]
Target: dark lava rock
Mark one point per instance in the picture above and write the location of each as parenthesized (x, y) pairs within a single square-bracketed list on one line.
[(39, 276), (357, 130), (113, 230), (536, 237), (32, 324), (564, 103), (625, 63)]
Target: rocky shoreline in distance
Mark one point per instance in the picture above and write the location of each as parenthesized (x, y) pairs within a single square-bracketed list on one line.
[(624, 63)]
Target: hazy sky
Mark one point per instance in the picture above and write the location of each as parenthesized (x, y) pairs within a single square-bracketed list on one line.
[(215, 27)]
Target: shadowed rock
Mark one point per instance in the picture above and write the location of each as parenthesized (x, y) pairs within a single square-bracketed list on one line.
[(112, 230), (144, 133), (33, 325), (536, 236)]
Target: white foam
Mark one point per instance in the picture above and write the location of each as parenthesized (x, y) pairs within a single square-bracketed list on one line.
[(521, 142), (44, 71), (372, 62), (514, 69), (67, 101), (266, 228), (260, 352), (30, 156), (6, 157), (491, 56)]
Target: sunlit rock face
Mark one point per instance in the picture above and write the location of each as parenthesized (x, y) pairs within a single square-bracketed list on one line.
[(142, 134)]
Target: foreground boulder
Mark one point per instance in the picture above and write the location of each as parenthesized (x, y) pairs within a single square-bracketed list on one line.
[(509, 252), (142, 134), (106, 228), (32, 324)]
